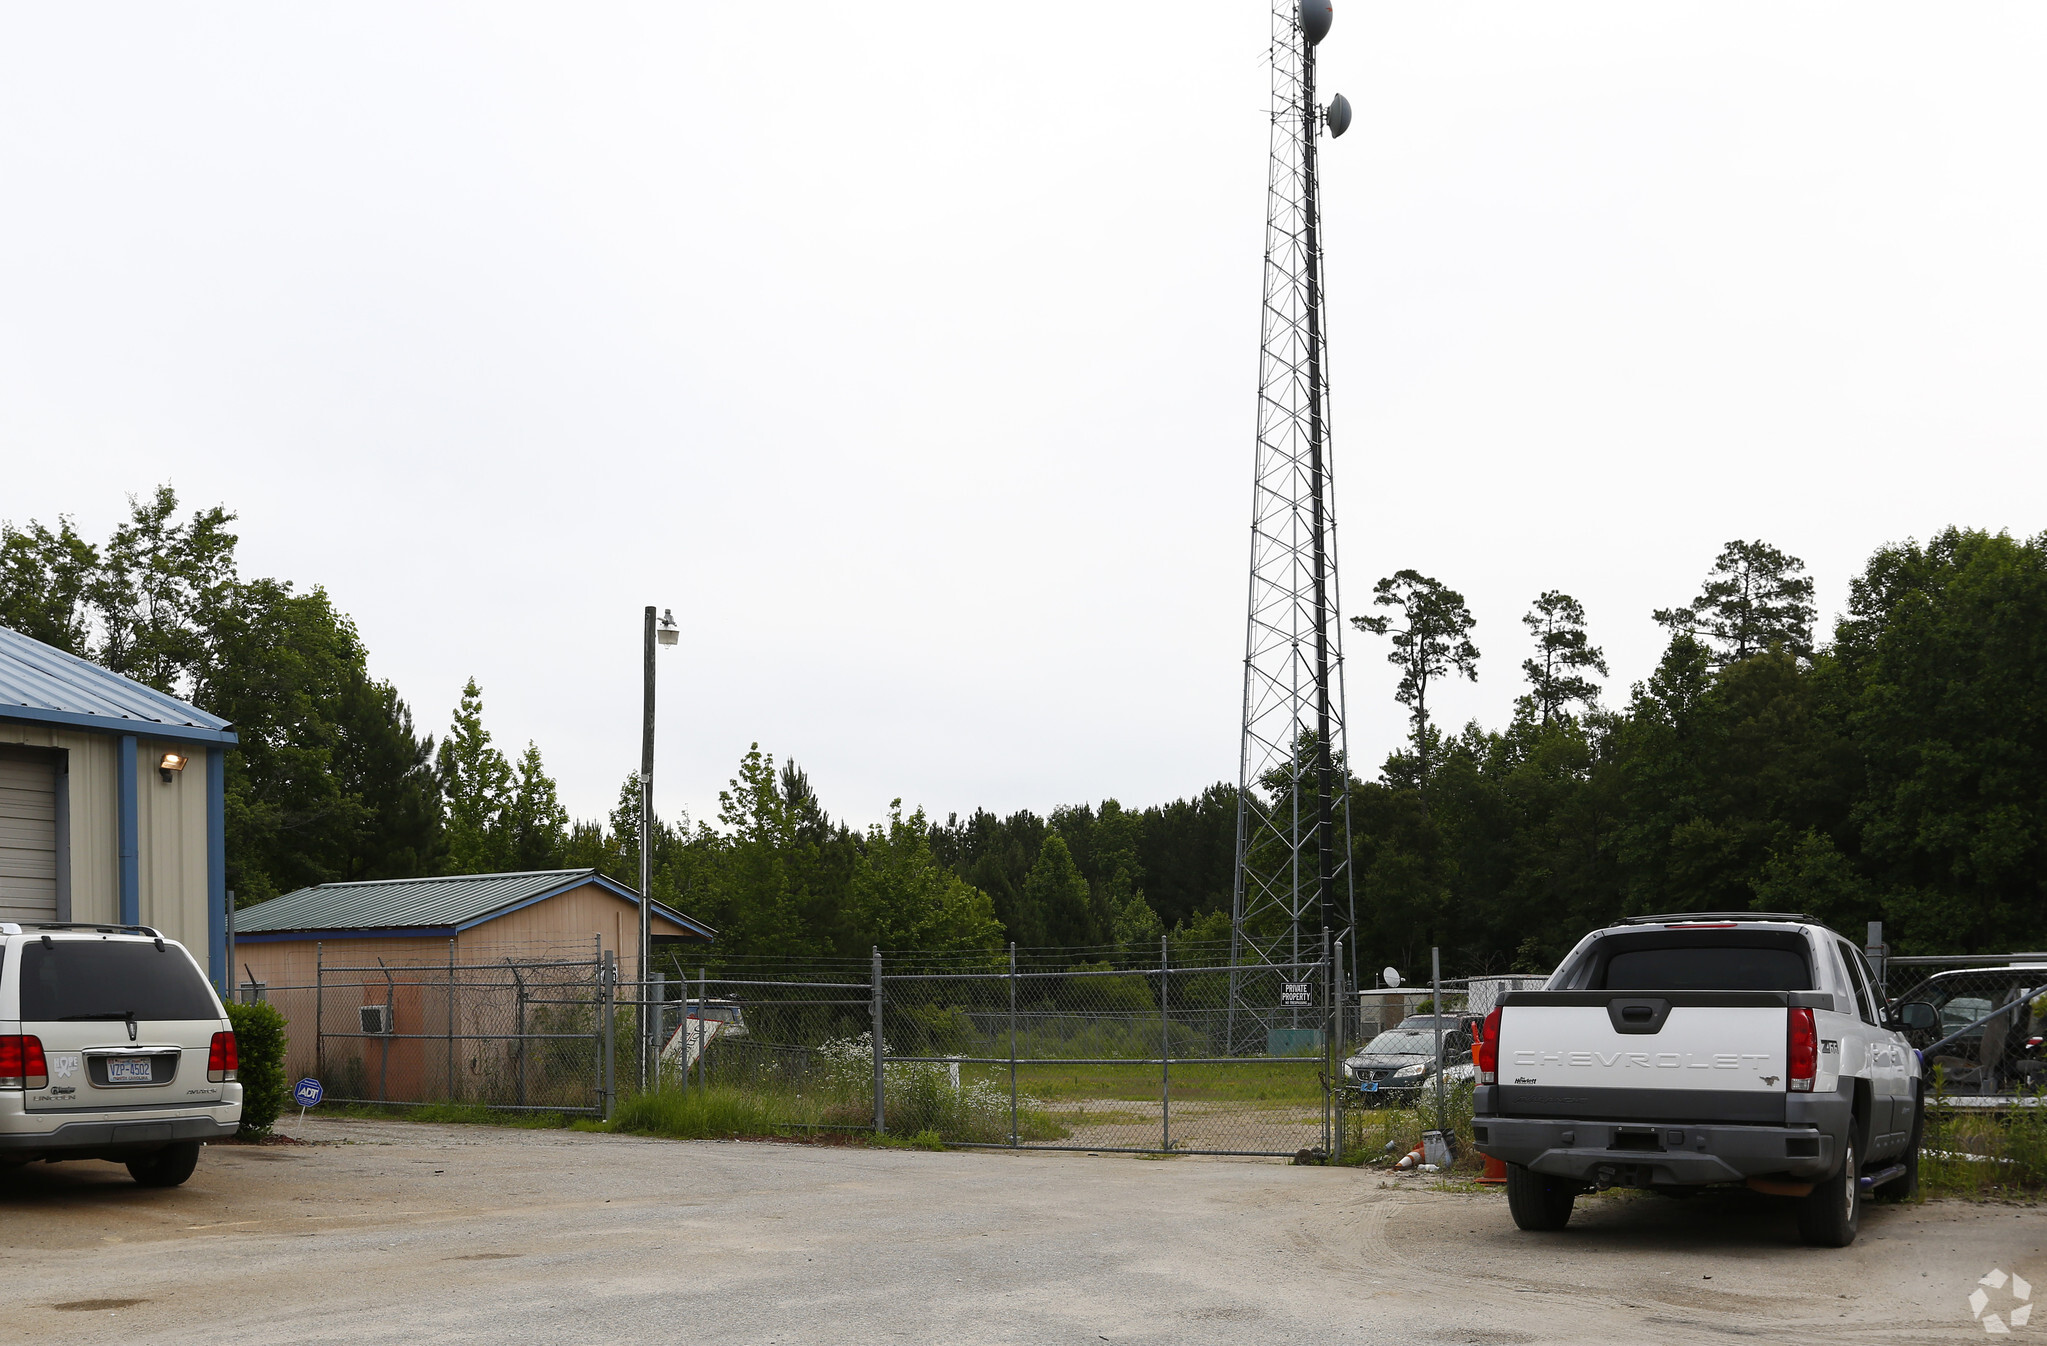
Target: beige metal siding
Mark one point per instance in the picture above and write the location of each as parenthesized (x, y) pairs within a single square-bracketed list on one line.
[(28, 836), (171, 842)]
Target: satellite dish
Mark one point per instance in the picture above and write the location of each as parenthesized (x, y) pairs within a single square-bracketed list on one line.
[(1338, 115), (1315, 19), (1391, 977)]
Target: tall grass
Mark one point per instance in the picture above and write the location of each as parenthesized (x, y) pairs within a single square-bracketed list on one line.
[(700, 1113), (1981, 1154), (1368, 1131)]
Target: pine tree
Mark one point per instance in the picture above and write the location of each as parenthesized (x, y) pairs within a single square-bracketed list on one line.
[(534, 827), (1755, 597), (1562, 651), (476, 782), (1433, 641), (1058, 896)]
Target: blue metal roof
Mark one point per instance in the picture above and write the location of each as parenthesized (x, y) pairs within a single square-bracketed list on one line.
[(42, 683), (437, 905)]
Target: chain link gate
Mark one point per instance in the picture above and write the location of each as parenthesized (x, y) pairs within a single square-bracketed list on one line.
[(1115, 1056)]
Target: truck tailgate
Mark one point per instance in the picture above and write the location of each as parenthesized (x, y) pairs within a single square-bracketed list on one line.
[(1676, 1055)]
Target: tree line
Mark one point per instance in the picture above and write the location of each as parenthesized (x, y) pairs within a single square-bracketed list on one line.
[(1895, 771)]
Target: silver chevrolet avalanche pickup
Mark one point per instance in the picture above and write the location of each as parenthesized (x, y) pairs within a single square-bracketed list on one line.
[(112, 1046), (1672, 1052)]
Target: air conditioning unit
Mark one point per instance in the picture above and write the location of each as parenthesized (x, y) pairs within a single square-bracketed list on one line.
[(376, 1019)]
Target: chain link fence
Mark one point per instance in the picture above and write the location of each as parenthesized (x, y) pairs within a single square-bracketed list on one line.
[(1088, 1050), (519, 1032), (1993, 1019)]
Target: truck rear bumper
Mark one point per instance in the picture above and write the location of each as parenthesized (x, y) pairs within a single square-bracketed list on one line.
[(1657, 1154)]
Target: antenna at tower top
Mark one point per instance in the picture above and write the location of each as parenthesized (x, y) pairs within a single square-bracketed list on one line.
[(1316, 16)]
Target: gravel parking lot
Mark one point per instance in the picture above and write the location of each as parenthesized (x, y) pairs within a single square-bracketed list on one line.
[(384, 1231)]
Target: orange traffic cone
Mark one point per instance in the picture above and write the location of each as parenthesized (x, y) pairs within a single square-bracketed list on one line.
[(1495, 1171)]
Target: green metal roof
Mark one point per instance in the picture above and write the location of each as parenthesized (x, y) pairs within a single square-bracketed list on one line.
[(440, 905)]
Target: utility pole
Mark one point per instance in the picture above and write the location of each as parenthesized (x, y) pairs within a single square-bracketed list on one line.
[(662, 633)]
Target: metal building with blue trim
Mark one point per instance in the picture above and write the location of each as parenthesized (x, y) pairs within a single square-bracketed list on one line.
[(112, 801)]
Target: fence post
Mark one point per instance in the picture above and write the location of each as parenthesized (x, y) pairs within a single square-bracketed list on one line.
[(703, 1013), (1012, 1045), (609, 1065), (880, 1120), (384, 1038), (519, 1048), (319, 1011), (1165, 1058), (451, 1020), (1436, 1013)]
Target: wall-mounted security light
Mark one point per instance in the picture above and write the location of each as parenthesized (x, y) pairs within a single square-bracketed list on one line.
[(172, 762)]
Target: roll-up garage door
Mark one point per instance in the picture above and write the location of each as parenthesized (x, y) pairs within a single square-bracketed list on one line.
[(28, 838)]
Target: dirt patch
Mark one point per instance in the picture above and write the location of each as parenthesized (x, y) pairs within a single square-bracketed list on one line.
[(567, 1236)]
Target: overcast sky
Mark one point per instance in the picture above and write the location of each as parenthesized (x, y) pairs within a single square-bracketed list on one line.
[(909, 353)]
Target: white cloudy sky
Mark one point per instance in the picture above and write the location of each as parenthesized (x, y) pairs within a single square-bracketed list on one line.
[(908, 352)]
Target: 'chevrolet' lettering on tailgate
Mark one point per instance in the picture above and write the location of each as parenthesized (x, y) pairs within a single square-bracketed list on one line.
[(1640, 1060)]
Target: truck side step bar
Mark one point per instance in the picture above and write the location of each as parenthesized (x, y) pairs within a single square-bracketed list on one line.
[(1869, 1182)]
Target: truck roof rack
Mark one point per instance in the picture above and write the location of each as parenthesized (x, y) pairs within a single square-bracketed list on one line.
[(103, 927), (1672, 918)]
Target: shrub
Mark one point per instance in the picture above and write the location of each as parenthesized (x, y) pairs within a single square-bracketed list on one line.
[(260, 1042)]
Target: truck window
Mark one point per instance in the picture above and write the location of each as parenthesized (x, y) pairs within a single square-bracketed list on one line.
[(77, 979), (1859, 979), (1701, 960)]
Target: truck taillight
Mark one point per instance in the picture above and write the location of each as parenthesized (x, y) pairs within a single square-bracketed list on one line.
[(1803, 1051), (1488, 1057), (221, 1061), (22, 1065)]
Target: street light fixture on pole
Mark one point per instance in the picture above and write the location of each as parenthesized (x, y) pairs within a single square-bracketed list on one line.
[(665, 633)]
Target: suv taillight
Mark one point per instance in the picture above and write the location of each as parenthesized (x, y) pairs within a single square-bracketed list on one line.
[(221, 1062), (22, 1065), (1487, 1058), (1803, 1051)]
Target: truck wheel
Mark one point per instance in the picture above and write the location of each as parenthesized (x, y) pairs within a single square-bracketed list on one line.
[(1829, 1214), (1538, 1201), (167, 1167)]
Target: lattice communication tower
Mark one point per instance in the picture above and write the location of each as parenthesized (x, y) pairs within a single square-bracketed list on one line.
[(1293, 876)]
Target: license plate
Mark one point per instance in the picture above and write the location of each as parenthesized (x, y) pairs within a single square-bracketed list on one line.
[(129, 1070), (1370, 1086)]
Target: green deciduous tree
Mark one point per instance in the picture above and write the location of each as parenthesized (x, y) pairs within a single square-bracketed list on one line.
[(1940, 669), (46, 584), (903, 898), (161, 585)]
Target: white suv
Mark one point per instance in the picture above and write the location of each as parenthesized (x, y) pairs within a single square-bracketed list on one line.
[(112, 1046)]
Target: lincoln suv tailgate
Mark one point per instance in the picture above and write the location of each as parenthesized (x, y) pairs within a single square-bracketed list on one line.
[(124, 1022)]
